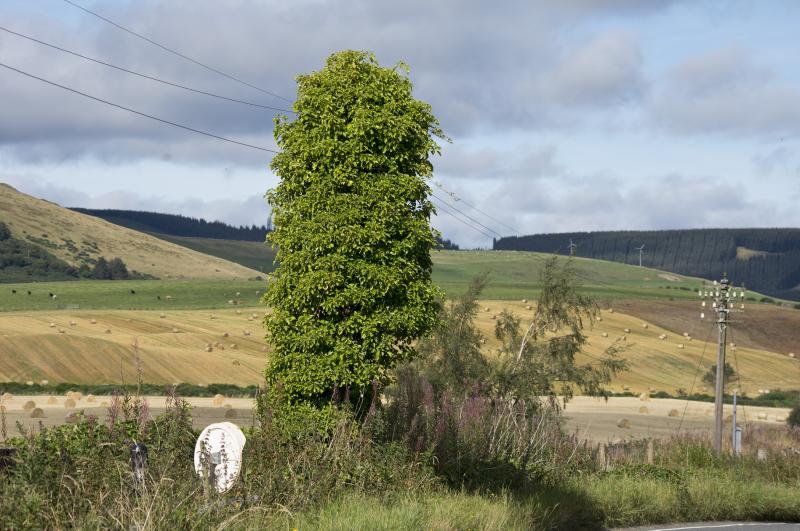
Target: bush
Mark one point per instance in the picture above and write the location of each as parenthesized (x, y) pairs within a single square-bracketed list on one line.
[(793, 420)]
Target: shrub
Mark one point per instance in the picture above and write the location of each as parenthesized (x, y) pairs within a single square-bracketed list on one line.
[(793, 420)]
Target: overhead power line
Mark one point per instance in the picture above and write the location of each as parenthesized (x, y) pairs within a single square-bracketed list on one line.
[(152, 78), (470, 225), (175, 52), (461, 200), (467, 215), (156, 118)]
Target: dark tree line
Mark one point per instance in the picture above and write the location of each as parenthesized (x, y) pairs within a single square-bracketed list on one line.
[(766, 260), (177, 225)]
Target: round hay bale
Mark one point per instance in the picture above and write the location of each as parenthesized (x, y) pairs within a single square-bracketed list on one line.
[(6, 396), (174, 330), (37, 413), (29, 382), (524, 301), (627, 330), (611, 310), (218, 400), (69, 403), (494, 317), (225, 334), (604, 334), (212, 316), (209, 349), (52, 325), (644, 410), (51, 401), (236, 363), (624, 424), (77, 396), (263, 349), (162, 316), (90, 398), (791, 354), (623, 338), (645, 325), (249, 317), (644, 397), (238, 312), (247, 332), (73, 323), (93, 321), (529, 307), (662, 337), (231, 414), (673, 413), (626, 388), (680, 345), (108, 330), (234, 346), (72, 418), (486, 309), (29, 405), (762, 416), (599, 318), (62, 331), (44, 382)]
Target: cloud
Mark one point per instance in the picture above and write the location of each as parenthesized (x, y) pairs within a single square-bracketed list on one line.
[(484, 67), (245, 211), (727, 92)]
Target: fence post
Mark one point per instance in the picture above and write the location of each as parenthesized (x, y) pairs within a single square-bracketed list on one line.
[(601, 456), (650, 451)]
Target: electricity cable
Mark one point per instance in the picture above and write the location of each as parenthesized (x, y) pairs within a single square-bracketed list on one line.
[(473, 227), (175, 52), (152, 78), (696, 373), (156, 118), (466, 215), (459, 199)]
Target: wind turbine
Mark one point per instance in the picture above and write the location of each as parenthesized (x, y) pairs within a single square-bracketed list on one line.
[(640, 249), (572, 247)]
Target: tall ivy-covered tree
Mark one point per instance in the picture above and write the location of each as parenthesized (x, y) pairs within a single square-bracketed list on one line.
[(353, 290)]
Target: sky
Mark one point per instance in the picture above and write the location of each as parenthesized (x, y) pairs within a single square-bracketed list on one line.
[(575, 115)]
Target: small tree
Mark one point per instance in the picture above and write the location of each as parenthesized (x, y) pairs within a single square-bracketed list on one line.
[(729, 376), (101, 270), (351, 214), (117, 269), (541, 360)]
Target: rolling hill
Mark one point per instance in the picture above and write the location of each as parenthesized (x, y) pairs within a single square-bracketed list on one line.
[(767, 260), (78, 239)]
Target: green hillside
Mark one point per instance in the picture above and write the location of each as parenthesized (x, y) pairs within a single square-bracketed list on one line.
[(256, 255), (767, 260), (515, 274)]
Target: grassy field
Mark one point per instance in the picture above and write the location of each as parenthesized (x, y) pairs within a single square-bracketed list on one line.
[(256, 255), (116, 295), (515, 274), (512, 275), (77, 238)]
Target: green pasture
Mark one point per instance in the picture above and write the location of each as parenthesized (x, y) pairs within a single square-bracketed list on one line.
[(512, 275)]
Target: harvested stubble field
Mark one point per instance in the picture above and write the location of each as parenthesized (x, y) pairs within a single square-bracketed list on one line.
[(102, 347), (662, 364), (591, 418), (174, 348)]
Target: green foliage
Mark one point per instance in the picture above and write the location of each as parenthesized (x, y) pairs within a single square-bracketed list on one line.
[(452, 355), (729, 376), (793, 420), (540, 361), (353, 289), (183, 389)]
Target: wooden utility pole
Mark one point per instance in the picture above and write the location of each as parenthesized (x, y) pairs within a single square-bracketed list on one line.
[(722, 298)]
